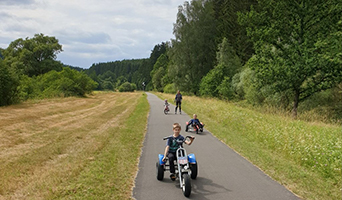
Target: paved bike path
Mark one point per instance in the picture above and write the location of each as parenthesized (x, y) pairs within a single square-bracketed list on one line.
[(222, 173)]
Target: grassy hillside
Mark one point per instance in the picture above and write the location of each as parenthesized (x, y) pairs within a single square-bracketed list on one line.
[(304, 157), (72, 148)]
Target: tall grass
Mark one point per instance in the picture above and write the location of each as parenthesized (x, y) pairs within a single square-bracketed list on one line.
[(303, 156)]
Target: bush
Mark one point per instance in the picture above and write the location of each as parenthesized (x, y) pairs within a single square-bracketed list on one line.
[(134, 86), (210, 82), (8, 86), (127, 87), (66, 83), (170, 88), (28, 88), (225, 89)]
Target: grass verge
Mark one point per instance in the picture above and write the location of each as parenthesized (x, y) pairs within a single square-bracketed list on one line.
[(304, 157)]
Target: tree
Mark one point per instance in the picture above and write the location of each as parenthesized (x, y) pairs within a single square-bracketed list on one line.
[(159, 71), (135, 71), (192, 54), (33, 56), (157, 51), (291, 45), (8, 85), (228, 65), (1, 56), (107, 80), (229, 27)]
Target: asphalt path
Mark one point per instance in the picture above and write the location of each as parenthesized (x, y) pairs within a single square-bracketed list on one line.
[(222, 173)]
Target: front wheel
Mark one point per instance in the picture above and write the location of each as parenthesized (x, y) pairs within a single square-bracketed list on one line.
[(194, 170), (186, 185), (160, 171)]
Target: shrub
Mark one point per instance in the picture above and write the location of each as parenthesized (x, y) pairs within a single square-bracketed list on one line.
[(225, 89), (8, 86), (66, 83), (170, 88), (127, 87)]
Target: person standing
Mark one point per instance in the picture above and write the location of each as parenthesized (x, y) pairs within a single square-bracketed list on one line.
[(178, 100)]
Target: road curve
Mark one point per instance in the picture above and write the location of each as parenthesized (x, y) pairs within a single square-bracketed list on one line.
[(222, 173)]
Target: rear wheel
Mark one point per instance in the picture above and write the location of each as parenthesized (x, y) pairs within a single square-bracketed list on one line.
[(160, 171), (186, 185), (194, 170)]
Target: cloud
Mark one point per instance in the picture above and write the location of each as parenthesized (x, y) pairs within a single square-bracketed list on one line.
[(91, 31), (16, 2), (68, 37)]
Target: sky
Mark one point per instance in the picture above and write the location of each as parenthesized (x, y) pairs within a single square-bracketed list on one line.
[(91, 31)]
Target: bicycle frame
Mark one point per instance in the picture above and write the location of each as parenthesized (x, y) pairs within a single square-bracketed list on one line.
[(182, 164)]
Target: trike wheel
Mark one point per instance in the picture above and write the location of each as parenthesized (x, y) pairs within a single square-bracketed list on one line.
[(160, 171), (186, 185), (194, 170)]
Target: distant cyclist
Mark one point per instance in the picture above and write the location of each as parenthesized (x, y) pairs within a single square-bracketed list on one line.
[(178, 100)]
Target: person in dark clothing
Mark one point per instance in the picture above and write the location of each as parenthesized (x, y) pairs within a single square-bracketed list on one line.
[(193, 122), (171, 147), (178, 100)]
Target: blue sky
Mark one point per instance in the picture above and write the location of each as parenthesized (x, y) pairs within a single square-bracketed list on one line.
[(91, 31)]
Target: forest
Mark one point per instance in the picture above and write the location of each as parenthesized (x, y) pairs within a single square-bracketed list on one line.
[(285, 54)]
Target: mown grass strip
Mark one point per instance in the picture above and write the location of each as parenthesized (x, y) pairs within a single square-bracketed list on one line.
[(304, 157), (56, 147), (111, 173)]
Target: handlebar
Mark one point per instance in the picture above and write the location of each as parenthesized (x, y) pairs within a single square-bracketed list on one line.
[(188, 136)]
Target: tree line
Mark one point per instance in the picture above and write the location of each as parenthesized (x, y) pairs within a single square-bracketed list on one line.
[(28, 69), (280, 53), (283, 53), (137, 72)]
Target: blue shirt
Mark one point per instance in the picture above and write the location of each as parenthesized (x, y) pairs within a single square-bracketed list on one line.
[(194, 121)]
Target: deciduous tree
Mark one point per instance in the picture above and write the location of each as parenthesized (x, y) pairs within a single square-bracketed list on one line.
[(193, 50), (33, 56), (293, 41)]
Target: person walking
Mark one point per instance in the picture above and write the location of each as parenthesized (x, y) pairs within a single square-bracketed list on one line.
[(178, 100)]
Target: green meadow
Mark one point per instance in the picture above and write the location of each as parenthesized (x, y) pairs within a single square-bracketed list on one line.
[(303, 156)]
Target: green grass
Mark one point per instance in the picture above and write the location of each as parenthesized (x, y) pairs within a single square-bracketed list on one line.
[(111, 173), (303, 156)]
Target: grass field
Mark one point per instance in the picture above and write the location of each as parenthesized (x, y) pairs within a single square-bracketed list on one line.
[(304, 157), (72, 148)]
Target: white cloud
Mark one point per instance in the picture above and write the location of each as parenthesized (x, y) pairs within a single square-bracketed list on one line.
[(91, 31)]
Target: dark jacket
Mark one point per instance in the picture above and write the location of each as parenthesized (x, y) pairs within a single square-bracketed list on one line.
[(178, 97)]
